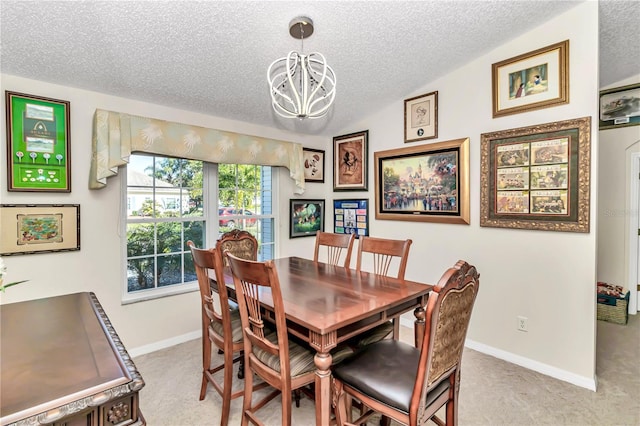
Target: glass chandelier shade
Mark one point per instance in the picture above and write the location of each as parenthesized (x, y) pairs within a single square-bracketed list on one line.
[(301, 86)]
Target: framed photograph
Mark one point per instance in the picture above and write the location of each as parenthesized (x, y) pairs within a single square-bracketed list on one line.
[(533, 80), (306, 217), (421, 117), (537, 177), (39, 228), (620, 107), (351, 217), (38, 152), (313, 165), (350, 168), (426, 183)]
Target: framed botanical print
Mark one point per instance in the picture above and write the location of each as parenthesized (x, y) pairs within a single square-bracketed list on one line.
[(350, 168)]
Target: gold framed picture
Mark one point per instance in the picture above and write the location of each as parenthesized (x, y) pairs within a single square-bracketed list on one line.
[(533, 80), (537, 177), (421, 117), (424, 183)]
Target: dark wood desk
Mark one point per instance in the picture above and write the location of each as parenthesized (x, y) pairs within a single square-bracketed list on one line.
[(62, 363), (326, 305)]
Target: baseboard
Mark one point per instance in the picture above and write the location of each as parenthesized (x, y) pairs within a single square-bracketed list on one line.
[(163, 344), (547, 370)]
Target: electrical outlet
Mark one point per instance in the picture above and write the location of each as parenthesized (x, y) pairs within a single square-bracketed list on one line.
[(522, 323)]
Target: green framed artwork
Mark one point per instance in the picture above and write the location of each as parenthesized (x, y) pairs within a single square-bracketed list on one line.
[(38, 152)]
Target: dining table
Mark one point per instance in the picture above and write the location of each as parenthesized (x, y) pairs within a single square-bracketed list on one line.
[(326, 305)]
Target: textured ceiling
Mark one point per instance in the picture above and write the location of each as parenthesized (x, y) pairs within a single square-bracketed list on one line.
[(212, 56)]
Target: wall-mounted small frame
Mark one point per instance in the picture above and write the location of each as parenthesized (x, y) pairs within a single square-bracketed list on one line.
[(306, 217), (533, 80), (537, 177), (351, 217), (350, 161), (39, 228), (313, 165), (425, 183), (620, 107), (38, 138), (421, 117)]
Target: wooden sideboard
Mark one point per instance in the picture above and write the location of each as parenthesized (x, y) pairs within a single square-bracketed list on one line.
[(63, 364)]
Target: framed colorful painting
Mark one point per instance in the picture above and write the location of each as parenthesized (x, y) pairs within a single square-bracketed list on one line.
[(306, 217), (537, 177), (533, 80), (350, 167), (426, 183), (39, 228), (38, 151)]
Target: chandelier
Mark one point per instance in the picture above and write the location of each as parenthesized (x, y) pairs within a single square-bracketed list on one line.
[(302, 86)]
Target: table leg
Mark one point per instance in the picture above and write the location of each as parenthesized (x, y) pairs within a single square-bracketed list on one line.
[(323, 388), (419, 326)]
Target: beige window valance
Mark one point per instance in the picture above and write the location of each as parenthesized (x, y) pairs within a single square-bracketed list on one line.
[(116, 135)]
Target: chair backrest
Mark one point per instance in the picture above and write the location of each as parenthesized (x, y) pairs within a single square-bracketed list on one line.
[(384, 251), (250, 279), (208, 264), (335, 244), (238, 242), (447, 316)]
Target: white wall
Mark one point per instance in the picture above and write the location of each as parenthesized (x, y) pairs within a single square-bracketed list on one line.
[(548, 277), (98, 266), (616, 145)]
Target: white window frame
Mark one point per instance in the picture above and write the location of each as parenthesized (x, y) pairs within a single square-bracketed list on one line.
[(211, 218)]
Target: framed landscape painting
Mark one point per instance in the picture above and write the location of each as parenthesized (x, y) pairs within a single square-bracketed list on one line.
[(426, 183), (620, 107)]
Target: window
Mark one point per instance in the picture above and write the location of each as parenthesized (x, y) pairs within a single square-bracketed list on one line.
[(246, 202), (167, 205)]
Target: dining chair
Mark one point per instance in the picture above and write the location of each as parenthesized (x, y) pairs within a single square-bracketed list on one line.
[(221, 326), (336, 244), (410, 384), (240, 243), (384, 252), (271, 355)]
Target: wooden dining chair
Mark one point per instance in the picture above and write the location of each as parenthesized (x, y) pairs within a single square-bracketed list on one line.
[(240, 243), (384, 252), (271, 355), (335, 244), (244, 245), (221, 326), (410, 384)]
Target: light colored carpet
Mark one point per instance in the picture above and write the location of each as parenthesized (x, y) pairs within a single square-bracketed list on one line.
[(493, 392)]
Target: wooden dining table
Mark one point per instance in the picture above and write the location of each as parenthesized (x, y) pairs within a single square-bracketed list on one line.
[(326, 305)]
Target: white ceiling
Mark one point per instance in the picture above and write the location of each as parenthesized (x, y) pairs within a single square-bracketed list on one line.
[(212, 56)]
